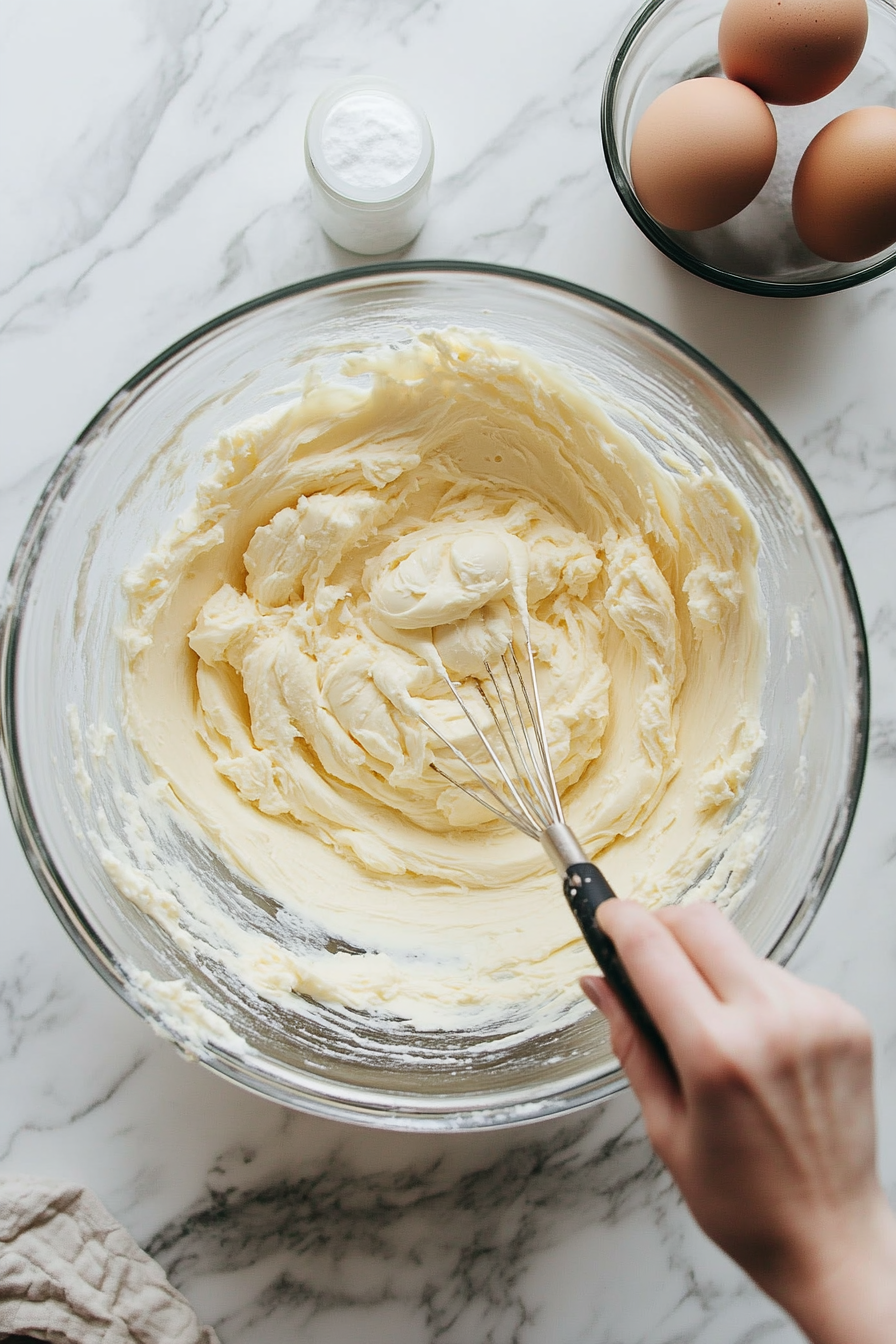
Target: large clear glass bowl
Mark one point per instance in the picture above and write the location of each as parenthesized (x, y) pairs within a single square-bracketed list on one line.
[(759, 250), (132, 472)]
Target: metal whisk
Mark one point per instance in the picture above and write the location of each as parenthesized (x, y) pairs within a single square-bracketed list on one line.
[(515, 742)]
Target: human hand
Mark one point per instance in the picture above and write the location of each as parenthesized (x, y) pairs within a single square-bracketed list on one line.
[(768, 1128)]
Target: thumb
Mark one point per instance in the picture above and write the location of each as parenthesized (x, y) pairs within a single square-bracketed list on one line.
[(652, 1084)]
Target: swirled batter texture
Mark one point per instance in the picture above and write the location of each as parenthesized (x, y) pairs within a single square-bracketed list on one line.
[(291, 638)]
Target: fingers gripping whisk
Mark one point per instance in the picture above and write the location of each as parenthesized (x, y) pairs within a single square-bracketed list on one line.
[(512, 733)]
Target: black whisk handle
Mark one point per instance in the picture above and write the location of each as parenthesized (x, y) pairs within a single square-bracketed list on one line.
[(586, 888)]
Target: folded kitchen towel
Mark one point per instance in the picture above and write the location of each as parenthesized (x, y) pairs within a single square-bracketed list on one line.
[(70, 1274)]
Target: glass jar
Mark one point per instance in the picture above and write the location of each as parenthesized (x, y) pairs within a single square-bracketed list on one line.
[(369, 154)]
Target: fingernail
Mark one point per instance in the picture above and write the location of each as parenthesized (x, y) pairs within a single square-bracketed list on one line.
[(599, 913), (593, 988)]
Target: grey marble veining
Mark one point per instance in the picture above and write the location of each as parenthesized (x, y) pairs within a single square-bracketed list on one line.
[(403, 1225), (428, 1251), (151, 172)]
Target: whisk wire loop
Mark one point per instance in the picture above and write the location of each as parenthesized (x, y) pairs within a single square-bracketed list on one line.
[(540, 764), (540, 733), (518, 797), (526, 774), (524, 769), (513, 749), (504, 810)]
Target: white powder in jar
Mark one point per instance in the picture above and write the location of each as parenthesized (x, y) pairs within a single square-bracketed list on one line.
[(371, 139)]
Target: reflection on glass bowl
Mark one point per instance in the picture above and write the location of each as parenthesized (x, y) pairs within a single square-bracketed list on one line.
[(132, 472)]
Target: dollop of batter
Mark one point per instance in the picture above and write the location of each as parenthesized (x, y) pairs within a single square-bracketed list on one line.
[(347, 552)]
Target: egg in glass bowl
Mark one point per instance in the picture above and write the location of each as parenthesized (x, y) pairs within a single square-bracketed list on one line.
[(291, 936), (759, 250)]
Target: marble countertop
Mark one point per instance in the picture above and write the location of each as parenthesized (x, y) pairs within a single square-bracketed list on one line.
[(152, 175)]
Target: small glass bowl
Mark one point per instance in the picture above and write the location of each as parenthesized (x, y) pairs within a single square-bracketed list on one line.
[(137, 466), (759, 250)]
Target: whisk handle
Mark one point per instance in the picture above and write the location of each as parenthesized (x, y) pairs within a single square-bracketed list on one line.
[(586, 888)]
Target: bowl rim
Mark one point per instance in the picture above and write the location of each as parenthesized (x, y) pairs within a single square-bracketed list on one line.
[(356, 1105), (782, 289)]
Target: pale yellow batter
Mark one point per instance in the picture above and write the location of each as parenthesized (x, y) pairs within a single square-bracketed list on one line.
[(344, 552)]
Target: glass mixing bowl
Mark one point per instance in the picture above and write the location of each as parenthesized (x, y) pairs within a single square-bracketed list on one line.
[(759, 250), (135, 468)]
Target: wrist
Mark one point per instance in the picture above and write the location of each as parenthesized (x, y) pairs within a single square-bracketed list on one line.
[(846, 1293)]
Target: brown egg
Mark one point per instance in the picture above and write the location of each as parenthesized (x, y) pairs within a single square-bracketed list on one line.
[(792, 51), (844, 192), (701, 152)]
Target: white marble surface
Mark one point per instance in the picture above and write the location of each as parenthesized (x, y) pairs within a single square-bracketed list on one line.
[(151, 176)]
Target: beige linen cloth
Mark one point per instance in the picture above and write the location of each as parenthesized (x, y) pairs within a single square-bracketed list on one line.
[(70, 1274)]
